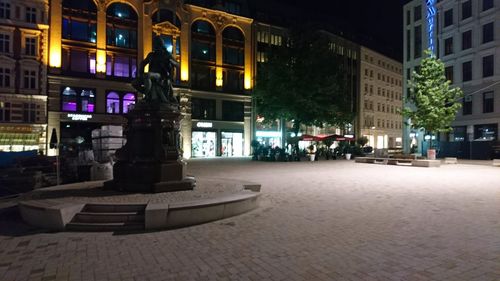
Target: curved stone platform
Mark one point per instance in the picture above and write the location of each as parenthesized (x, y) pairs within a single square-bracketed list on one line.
[(88, 207)]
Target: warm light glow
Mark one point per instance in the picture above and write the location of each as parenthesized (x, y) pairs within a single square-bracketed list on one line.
[(55, 55), (101, 61), (248, 80), (184, 72), (218, 77)]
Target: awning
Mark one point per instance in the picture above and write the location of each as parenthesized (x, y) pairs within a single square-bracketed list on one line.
[(322, 137)]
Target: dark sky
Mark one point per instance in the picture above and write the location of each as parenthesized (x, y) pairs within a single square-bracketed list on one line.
[(377, 24)]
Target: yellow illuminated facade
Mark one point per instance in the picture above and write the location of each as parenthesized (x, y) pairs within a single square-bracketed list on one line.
[(96, 47), (24, 55)]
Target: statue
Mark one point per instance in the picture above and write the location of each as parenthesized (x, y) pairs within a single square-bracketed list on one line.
[(156, 85)]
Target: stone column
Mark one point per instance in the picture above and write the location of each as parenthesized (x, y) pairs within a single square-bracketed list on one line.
[(219, 82)]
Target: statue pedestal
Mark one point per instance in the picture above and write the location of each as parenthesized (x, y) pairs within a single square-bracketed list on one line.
[(150, 160)]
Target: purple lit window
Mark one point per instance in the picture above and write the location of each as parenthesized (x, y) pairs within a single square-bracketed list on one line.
[(128, 102), (109, 65), (113, 103), (122, 67), (134, 67), (68, 99), (92, 63), (88, 100)]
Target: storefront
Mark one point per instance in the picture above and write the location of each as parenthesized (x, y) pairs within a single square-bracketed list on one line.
[(217, 138), (15, 137)]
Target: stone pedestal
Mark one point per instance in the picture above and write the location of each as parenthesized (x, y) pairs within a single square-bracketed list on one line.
[(150, 160)]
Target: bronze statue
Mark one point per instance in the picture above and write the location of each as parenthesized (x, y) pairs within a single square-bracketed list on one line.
[(156, 85)]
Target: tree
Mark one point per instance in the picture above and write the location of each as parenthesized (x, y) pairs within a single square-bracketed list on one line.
[(304, 80), (435, 103)]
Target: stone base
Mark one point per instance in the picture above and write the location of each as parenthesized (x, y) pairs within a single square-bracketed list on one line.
[(150, 177)]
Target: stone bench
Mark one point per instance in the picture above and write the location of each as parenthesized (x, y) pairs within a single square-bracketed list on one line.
[(450, 160), (496, 162), (426, 163)]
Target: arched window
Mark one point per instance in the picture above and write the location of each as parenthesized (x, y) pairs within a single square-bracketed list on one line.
[(203, 41), (113, 103), (79, 20), (87, 100), (128, 102), (68, 99), (233, 49), (121, 26), (164, 15)]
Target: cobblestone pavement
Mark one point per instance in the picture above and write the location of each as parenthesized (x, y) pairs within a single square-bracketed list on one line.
[(327, 220)]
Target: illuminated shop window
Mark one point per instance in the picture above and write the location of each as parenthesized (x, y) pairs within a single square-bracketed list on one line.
[(119, 100), (78, 99)]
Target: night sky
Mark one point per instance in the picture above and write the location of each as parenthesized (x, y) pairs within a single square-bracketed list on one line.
[(375, 24)]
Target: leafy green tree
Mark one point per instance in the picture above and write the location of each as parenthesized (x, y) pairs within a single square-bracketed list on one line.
[(304, 80), (435, 104)]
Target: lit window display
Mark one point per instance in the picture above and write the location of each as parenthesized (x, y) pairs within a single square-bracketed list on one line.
[(77, 100), (204, 144), (231, 144), (68, 99), (128, 102), (113, 103)]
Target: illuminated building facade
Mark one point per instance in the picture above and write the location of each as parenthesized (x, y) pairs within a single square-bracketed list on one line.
[(464, 35), (96, 47), (23, 60), (380, 100)]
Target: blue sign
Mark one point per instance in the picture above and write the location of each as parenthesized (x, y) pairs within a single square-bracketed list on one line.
[(431, 14)]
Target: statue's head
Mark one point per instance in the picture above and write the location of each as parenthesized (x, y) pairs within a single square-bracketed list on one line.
[(158, 44)]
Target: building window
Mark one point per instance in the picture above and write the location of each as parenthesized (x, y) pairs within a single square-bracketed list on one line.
[(29, 112), (448, 72), (203, 109), (466, 9), (488, 102), (467, 71), (121, 66), (232, 111), (29, 79), (448, 46), (121, 26), (408, 15), (487, 4), (488, 32), (117, 102), (448, 17), (203, 41), (418, 42), (485, 131), (4, 77), (408, 45), (4, 10), (467, 106), (488, 66), (417, 13), (232, 7), (30, 15), (467, 40), (30, 46), (233, 46), (5, 109), (4, 43), (78, 99), (85, 31)]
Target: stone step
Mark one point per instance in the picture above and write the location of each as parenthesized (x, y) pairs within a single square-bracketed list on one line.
[(114, 208), (94, 227), (91, 217)]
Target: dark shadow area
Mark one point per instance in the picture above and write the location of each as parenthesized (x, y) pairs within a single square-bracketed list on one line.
[(55, 194), (12, 224)]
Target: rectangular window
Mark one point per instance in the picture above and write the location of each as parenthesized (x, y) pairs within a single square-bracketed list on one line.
[(466, 9), (30, 15), (5, 109), (467, 106), (467, 40), (29, 79), (488, 102), (466, 71), (29, 112), (485, 131), (418, 42), (4, 10), (4, 43), (78, 61), (487, 4), (488, 32), (232, 111), (203, 109), (408, 45), (408, 19), (121, 67), (488, 66), (448, 17), (30, 46), (417, 13), (448, 46), (448, 72), (4, 77)]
